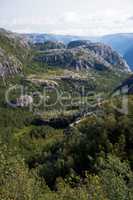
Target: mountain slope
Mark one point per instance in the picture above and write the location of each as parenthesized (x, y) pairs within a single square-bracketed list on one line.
[(13, 53)]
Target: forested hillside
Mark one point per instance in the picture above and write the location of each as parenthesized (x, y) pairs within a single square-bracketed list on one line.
[(64, 136)]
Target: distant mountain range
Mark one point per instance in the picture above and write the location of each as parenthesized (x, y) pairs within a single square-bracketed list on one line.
[(76, 52), (79, 55), (119, 42), (122, 42)]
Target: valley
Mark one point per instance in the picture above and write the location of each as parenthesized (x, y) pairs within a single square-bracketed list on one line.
[(63, 131)]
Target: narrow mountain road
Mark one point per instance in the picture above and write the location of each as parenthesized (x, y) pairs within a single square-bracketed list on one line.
[(81, 117)]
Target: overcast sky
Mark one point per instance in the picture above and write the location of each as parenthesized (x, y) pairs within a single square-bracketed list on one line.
[(73, 17)]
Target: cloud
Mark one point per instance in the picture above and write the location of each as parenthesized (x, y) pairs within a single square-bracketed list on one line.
[(70, 17), (75, 23), (75, 17), (130, 18), (100, 23)]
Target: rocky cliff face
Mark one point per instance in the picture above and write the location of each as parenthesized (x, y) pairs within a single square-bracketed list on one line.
[(76, 58), (13, 52), (108, 54), (9, 64), (84, 56)]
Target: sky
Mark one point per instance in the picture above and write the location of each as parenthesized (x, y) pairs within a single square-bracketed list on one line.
[(68, 17)]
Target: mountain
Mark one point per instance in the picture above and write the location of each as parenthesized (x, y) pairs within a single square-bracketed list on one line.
[(83, 55), (41, 38), (120, 42), (129, 57), (78, 54), (13, 53)]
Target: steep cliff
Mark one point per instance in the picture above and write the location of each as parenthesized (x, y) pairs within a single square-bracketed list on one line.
[(14, 51)]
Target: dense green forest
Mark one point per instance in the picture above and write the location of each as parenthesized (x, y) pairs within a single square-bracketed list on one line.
[(91, 160)]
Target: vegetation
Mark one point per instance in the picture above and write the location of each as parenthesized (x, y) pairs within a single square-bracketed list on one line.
[(59, 152), (90, 161)]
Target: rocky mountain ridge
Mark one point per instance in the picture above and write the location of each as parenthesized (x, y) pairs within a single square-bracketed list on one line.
[(84, 56), (120, 42)]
